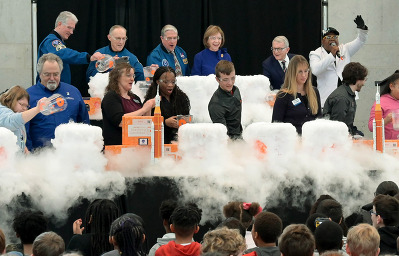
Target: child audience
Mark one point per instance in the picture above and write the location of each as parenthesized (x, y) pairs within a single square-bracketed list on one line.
[(127, 234), (227, 242), (265, 232), (165, 211), (185, 223), (244, 212)]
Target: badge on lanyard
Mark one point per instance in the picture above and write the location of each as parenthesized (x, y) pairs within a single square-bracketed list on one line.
[(296, 102)]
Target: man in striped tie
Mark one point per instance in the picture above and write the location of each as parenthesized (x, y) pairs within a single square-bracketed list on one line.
[(167, 53)]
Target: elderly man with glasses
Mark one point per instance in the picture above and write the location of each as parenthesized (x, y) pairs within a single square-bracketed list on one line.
[(55, 43), (117, 38), (167, 53), (274, 67), (328, 61)]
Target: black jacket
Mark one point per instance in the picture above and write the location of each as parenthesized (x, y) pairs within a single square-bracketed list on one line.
[(225, 108), (388, 236)]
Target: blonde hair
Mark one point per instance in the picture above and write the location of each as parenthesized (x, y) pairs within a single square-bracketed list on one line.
[(225, 241), (212, 30), (363, 239), (13, 95), (290, 86)]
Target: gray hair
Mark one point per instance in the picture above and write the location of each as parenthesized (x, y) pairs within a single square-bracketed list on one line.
[(48, 244), (51, 57), (64, 16), (282, 39), (168, 28), (115, 27)]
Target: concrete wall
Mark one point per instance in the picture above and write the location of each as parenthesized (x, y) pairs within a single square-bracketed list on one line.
[(15, 43), (379, 55)]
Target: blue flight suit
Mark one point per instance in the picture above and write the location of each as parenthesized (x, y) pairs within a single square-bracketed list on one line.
[(134, 62), (40, 130), (164, 58), (53, 43)]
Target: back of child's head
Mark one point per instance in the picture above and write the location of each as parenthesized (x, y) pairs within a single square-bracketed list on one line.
[(268, 226), (29, 224), (311, 220), (48, 244), (233, 223), (185, 219), (242, 211), (99, 216), (333, 209), (166, 209), (328, 236), (228, 242), (129, 234), (296, 240)]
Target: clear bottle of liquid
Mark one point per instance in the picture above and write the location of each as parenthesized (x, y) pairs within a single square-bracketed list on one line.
[(55, 103), (106, 63)]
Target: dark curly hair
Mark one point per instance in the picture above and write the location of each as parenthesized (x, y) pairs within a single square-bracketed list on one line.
[(29, 224), (353, 71), (166, 209), (391, 80), (114, 76), (185, 219), (178, 99)]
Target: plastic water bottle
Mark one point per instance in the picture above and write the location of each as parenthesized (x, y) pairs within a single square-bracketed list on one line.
[(106, 63), (55, 103)]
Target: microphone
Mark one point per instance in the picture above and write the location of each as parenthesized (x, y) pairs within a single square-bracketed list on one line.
[(337, 53)]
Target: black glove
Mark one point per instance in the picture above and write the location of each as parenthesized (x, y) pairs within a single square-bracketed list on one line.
[(360, 22)]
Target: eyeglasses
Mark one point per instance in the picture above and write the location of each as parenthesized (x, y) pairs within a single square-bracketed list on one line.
[(372, 212), (171, 38), (331, 37), (123, 39), (277, 49), (23, 105), (46, 74), (130, 75), (301, 72), (226, 80), (215, 38), (167, 82)]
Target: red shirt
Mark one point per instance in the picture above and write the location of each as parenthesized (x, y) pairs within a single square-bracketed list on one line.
[(173, 249)]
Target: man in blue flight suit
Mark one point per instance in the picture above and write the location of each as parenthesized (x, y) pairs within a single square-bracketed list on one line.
[(55, 43), (116, 48), (40, 130), (167, 53)]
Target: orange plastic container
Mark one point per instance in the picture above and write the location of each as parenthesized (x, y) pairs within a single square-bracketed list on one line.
[(136, 130), (171, 150), (391, 146), (93, 105)]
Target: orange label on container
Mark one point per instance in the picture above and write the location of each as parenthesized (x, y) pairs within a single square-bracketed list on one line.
[(60, 102)]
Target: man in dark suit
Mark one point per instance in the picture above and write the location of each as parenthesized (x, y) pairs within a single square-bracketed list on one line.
[(275, 66)]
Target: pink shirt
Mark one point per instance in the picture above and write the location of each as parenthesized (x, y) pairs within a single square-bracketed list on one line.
[(388, 104)]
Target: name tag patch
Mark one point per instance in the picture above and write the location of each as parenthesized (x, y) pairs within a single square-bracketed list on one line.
[(296, 102)]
